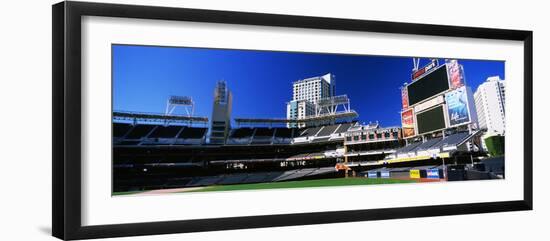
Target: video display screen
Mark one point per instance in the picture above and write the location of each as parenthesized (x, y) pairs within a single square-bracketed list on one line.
[(430, 120), (428, 86)]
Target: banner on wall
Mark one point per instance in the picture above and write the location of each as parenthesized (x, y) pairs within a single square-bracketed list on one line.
[(414, 173), (457, 106), (407, 123), (432, 173), (456, 76), (404, 98), (372, 174)]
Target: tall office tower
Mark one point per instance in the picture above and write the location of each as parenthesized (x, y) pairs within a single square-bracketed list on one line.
[(490, 101), (305, 94), (220, 122)]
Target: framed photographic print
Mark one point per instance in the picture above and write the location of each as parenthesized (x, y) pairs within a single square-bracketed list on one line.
[(169, 120)]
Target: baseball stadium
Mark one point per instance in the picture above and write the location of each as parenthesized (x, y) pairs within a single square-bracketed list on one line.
[(320, 143)]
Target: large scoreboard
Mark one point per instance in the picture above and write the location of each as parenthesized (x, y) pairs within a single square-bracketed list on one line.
[(431, 84), (431, 120), (436, 99)]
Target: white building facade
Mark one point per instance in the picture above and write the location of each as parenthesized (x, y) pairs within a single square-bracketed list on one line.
[(490, 105), (306, 92)]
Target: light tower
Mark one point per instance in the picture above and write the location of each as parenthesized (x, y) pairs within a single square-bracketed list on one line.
[(185, 102), (329, 105), (221, 113)]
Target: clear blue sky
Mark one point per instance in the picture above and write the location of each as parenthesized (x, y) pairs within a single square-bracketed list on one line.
[(261, 81)]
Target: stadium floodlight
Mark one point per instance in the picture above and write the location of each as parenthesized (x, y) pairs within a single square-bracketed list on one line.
[(331, 105), (185, 102)]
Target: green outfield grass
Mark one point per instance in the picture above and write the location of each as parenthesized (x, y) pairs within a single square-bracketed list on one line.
[(126, 193), (301, 184)]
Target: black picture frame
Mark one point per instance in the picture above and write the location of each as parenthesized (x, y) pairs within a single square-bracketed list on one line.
[(66, 127)]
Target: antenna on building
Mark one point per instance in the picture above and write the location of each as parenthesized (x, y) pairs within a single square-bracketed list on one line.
[(416, 64)]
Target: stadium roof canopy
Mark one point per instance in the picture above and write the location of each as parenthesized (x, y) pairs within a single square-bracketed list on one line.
[(313, 120), (156, 117)]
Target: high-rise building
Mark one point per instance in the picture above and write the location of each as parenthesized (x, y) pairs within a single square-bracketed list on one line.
[(299, 109), (306, 92), (315, 88), (490, 101), (221, 113)]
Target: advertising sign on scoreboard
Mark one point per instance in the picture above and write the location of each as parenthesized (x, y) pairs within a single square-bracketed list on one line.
[(404, 98), (428, 104), (457, 106), (424, 70), (407, 123), (456, 76)]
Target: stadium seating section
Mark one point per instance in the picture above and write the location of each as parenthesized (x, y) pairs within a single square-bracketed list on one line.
[(165, 132), (120, 129), (139, 131), (428, 144), (192, 133), (453, 139), (154, 134), (310, 131), (408, 148), (322, 133), (343, 127), (150, 134), (242, 133), (284, 133), (439, 143), (263, 133), (327, 130)]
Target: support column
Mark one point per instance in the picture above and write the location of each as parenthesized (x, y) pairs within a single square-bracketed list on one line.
[(346, 160)]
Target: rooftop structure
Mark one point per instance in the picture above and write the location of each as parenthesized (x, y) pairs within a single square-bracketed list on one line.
[(306, 93)]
